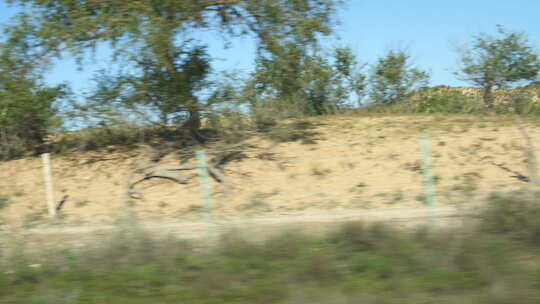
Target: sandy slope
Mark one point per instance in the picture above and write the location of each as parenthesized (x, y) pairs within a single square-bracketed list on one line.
[(356, 165)]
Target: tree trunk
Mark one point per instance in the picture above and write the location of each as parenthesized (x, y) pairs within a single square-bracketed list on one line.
[(194, 120), (488, 96), (193, 123)]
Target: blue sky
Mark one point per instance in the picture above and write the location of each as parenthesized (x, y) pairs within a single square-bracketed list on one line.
[(428, 29)]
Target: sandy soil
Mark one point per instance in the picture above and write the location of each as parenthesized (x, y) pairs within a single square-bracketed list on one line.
[(359, 166)]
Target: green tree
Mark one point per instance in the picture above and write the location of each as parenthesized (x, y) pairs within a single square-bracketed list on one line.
[(393, 77), (155, 34), (498, 61), (298, 81), (151, 91), (28, 108)]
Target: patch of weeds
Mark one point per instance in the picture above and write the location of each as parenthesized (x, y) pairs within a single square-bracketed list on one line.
[(360, 202), (348, 164), (283, 134), (18, 193), (292, 132), (308, 141), (515, 214), (320, 172), (469, 183), (282, 166), (261, 195), (163, 204), (392, 156), (81, 203), (254, 205), (131, 203), (293, 175), (4, 201), (358, 188), (195, 209), (266, 156), (421, 198), (347, 125), (413, 166), (396, 198), (441, 143)]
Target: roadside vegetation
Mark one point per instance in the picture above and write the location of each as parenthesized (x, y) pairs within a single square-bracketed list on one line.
[(162, 91), (493, 258)]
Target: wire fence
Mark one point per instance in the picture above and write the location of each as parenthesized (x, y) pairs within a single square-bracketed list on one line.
[(405, 172)]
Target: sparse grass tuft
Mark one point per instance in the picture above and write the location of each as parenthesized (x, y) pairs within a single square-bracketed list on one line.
[(320, 172), (4, 201), (82, 203)]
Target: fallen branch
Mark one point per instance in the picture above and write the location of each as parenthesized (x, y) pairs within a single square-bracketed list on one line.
[(166, 171)]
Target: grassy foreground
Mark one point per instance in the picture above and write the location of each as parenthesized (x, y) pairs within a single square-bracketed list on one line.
[(496, 259)]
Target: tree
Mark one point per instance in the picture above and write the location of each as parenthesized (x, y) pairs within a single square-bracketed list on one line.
[(151, 91), (157, 35), (393, 77), (312, 83), (28, 108), (498, 62)]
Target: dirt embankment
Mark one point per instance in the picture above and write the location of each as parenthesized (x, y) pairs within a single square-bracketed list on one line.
[(337, 169)]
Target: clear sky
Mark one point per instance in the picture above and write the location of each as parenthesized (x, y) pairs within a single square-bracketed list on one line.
[(429, 29)]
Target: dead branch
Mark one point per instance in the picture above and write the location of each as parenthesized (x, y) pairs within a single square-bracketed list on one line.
[(62, 202), (166, 171)]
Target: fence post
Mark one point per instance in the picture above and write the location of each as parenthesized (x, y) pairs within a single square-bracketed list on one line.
[(48, 183), (205, 192), (429, 182)]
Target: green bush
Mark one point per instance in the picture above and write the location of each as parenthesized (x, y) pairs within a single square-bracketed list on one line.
[(229, 126), (444, 101), (28, 108), (4, 201), (98, 138), (515, 214)]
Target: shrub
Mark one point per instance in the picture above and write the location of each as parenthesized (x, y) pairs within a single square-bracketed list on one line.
[(515, 214), (444, 101), (27, 107)]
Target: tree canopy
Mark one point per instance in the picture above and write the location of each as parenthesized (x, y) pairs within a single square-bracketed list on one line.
[(498, 61), (158, 38), (393, 77), (27, 105)]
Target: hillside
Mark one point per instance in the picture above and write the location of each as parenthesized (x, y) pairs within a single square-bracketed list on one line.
[(333, 165)]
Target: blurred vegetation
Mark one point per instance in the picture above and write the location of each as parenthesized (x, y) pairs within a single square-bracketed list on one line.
[(461, 100), (493, 259), (394, 78), (162, 88), (27, 106), (498, 61)]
